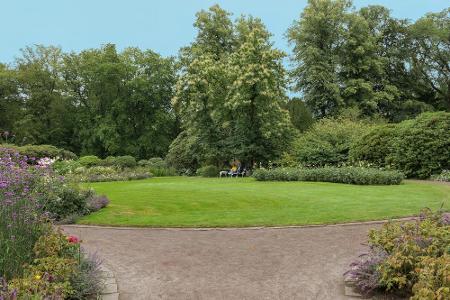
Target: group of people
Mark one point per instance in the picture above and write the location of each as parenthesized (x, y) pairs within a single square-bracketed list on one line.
[(236, 170)]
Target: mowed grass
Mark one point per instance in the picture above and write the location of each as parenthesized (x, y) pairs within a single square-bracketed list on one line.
[(232, 202)]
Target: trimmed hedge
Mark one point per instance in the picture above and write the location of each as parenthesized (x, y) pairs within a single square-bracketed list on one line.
[(351, 175)]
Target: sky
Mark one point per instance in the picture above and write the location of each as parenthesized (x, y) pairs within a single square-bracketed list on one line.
[(161, 25)]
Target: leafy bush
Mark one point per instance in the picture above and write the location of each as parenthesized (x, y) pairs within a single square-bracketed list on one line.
[(208, 171), (41, 151), (421, 146), (95, 202), (444, 176), (351, 175), (64, 167), (90, 161), (121, 161), (417, 147), (328, 142), (60, 270), (415, 258), (374, 146)]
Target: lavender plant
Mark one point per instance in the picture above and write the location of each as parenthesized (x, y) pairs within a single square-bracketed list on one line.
[(21, 214)]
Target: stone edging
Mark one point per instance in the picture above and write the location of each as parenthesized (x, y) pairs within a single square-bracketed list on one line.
[(238, 228), (110, 290)]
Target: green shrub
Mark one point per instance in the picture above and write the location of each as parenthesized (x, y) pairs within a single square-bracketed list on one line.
[(421, 146), (417, 147), (444, 176), (415, 258), (208, 171), (41, 151), (328, 142), (90, 161), (374, 146), (351, 175), (126, 161), (102, 174), (64, 167)]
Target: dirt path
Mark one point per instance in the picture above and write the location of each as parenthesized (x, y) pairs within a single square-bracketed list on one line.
[(290, 263)]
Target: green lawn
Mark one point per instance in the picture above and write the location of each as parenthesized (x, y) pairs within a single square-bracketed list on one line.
[(204, 202)]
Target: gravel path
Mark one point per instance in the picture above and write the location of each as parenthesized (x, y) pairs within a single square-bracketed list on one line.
[(288, 263)]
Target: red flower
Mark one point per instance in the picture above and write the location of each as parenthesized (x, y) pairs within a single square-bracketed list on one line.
[(73, 239)]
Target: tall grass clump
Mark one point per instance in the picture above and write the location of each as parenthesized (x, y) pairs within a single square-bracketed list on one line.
[(21, 214)]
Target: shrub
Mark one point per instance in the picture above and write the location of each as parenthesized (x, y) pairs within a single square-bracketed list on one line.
[(374, 146), (90, 161), (208, 171), (421, 146), (328, 142), (444, 176), (101, 174), (41, 151), (96, 203), (60, 270), (418, 147), (126, 161), (64, 167), (416, 260), (351, 175)]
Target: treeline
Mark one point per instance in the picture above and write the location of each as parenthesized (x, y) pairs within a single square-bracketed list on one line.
[(225, 95)]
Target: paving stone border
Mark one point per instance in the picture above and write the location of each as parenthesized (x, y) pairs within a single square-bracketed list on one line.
[(240, 228), (110, 290)]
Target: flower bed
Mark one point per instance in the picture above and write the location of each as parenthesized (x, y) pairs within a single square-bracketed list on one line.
[(37, 262)]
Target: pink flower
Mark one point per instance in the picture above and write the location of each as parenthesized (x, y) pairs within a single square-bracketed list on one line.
[(73, 239)]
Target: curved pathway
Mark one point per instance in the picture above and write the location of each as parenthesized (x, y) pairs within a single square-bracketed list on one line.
[(287, 263)]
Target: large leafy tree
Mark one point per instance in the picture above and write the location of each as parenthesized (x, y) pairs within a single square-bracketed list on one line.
[(10, 103), (430, 56), (122, 101), (47, 117), (317, 38), (202, 84), (261, 129)]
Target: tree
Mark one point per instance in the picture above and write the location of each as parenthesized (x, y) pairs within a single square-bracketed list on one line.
[(10, 104), (430, 59), (46, 118), (122, 101), (261, 129), (317, 39), (299, 114), (201, 87)]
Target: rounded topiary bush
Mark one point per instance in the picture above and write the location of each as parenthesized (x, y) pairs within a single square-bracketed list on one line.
[(208, 171), (125, 161), (90, 161)]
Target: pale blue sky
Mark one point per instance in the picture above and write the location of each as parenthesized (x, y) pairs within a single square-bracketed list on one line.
[(163, 26)]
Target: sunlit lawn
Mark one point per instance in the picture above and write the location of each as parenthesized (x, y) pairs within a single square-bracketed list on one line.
[(205, 202)]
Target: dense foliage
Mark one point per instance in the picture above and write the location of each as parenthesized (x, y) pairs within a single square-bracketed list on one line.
[(245, 120), (208, 171), (351, 175), (328, 142), (370, 60), (410, 259), (418, 147), (41, 151)]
